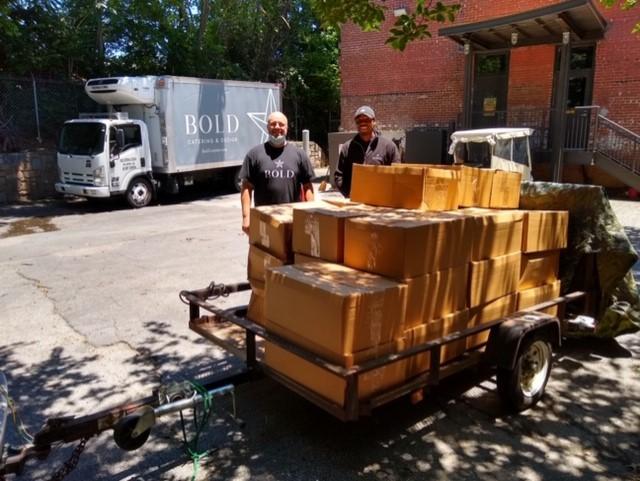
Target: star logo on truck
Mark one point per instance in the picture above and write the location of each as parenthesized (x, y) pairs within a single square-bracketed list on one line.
[(260, 118)]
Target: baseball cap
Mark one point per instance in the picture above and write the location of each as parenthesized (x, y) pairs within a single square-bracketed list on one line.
[(365, 110)]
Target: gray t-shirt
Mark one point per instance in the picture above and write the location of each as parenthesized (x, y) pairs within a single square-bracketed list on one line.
[(277, 175)]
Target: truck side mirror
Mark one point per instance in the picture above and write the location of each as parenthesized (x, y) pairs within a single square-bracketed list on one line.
[(120, 138)]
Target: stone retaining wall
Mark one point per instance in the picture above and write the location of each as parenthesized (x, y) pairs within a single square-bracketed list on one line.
[(27, 176), (316, 154)]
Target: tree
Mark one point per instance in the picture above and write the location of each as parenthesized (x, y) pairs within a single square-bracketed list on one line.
[(624, 5), (369, 15)]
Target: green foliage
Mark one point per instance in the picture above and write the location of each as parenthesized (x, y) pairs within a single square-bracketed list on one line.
[(369, 15), (292, 42), (624, 5)]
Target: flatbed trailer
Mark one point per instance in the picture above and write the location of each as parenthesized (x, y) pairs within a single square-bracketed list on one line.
[(507, 349), (518, 346)]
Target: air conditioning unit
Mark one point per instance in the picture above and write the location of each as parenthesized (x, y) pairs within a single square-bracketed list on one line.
[(122, 90)]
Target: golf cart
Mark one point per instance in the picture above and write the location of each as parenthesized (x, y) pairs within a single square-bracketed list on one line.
[(504, 148)]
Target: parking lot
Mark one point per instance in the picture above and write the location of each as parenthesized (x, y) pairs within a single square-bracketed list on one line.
[(91, 318)]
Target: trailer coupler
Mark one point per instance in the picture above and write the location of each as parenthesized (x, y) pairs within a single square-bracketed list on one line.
[(131, 423)]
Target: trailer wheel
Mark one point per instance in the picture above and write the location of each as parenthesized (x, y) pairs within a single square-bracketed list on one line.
[(139, 193), (122, 433), (523, 386)]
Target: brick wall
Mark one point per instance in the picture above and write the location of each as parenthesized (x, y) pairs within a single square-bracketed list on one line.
[(424, 83), (27, 176)]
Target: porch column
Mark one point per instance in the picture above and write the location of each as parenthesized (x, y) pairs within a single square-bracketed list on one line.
[(467, 101), (559, 121)]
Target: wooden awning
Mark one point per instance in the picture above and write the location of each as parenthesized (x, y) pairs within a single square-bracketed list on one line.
[(534, 27)]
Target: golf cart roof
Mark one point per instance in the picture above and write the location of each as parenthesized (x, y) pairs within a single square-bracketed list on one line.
[(488, 135)]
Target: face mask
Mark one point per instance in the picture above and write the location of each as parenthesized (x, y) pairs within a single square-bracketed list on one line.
[(277, 141)]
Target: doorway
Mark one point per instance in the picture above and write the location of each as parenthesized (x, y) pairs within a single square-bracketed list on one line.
[(490, 87), (579, 94)]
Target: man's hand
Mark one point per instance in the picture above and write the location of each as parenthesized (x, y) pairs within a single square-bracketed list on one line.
[(245, 201)]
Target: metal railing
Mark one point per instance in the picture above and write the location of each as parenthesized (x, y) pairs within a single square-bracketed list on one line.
[(617, 143)]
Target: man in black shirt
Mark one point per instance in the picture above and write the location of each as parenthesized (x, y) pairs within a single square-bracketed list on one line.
[(275, 172), (367, 147)]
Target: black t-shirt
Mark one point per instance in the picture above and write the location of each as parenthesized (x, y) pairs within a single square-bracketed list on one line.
[(276, 174)]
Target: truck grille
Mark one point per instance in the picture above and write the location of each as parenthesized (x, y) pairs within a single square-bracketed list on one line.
[(77, 178)]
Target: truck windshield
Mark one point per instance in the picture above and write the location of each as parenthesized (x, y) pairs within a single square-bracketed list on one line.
[(82, 138)]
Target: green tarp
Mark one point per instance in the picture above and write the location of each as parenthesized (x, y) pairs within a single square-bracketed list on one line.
[(593, 230)]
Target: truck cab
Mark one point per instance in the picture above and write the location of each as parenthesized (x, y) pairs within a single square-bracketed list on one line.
[(101, 155), (505, 148)]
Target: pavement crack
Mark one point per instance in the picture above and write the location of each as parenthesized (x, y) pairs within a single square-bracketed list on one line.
[(44, 289)]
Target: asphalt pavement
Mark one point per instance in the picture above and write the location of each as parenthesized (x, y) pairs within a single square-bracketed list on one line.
[(91, 318)]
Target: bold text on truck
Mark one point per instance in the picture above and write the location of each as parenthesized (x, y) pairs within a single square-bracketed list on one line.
[(161, 132)]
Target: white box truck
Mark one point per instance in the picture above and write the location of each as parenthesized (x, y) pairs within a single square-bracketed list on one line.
[(161, 132)]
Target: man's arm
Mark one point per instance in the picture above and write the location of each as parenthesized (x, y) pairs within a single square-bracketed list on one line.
[(245, 201), (308, 191), (394, 153)]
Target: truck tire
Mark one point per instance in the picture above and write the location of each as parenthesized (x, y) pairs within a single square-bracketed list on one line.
[(139, 193), (235, 178), (522, 387)]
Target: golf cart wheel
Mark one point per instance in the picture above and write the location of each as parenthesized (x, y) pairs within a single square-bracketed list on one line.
[(523, 386), (139, 193), (123, 433)]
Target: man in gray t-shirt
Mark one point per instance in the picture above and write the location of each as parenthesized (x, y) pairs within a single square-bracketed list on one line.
[(275, 172)]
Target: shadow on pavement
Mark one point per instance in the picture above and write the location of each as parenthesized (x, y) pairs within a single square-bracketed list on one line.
[(584, 429)]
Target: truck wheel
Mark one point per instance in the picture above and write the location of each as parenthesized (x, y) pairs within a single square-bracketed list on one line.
[(139, 193), (523, 386)]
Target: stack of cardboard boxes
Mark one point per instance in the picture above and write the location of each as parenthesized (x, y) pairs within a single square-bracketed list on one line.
[(419, 253)]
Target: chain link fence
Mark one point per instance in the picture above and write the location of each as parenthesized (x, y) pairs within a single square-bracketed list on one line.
[(32, 111)]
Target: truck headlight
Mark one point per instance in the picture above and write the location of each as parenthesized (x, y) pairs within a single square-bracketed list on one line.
[(98, 176)]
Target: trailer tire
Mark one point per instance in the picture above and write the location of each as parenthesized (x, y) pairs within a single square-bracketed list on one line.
[(122, 433), (523, 386), (139, 193)]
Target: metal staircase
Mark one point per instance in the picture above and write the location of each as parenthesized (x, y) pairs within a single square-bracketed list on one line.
[(614, 149)]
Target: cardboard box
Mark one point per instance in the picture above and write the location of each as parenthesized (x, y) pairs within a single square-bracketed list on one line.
[(319, 231), (536, 295), (494, 232), (435, 329), (485, 313), (335, 307), (349, 359), (436, 295), (545, 230), (258, 263), (255, 310), (407, 186), (538, 268), (475, 186), (407, 245), (270, 228), (493, 278), (505, 190), (330, 386), (302, 259)]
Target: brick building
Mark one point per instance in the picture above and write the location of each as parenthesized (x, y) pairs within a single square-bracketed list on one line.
[(501, 63)]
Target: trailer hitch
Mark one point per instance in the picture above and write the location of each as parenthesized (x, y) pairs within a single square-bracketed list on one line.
[(131, 423)]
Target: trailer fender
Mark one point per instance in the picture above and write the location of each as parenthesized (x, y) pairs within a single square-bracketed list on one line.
[(505, 339)]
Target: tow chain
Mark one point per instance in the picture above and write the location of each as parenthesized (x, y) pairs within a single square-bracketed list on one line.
[(71, 463)]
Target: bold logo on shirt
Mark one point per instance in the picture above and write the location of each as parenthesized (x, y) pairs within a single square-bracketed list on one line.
[(279, 174)]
